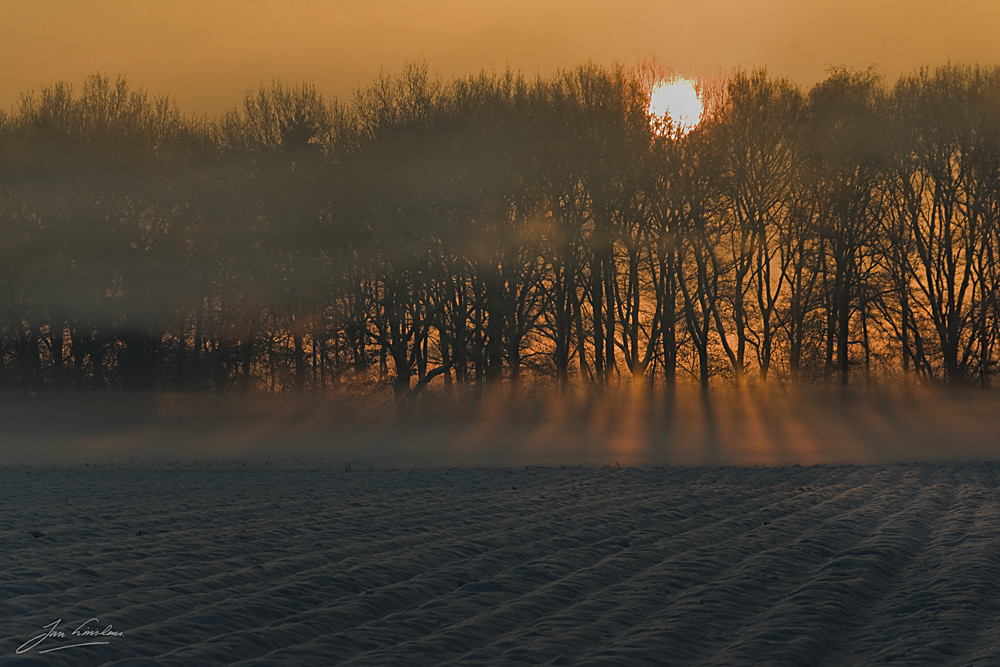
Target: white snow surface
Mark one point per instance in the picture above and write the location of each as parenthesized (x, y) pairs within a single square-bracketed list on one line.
[(666, 565), (725, 545)]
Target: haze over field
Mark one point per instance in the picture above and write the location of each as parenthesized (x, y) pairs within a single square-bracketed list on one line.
[(729, 428)]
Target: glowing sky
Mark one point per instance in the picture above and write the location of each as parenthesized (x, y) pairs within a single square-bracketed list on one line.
[(206, 53)]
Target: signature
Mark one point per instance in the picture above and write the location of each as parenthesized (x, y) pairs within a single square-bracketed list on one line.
[(89, 630)]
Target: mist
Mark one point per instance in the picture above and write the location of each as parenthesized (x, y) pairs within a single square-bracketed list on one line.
[(728, 428), (478, 240)]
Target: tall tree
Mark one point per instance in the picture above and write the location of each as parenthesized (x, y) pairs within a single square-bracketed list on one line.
[(848, 155)]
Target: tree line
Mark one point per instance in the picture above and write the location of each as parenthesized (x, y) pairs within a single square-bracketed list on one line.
[(496, 229)]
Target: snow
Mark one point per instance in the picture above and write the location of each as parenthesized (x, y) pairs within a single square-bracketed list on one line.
[(264, 550)]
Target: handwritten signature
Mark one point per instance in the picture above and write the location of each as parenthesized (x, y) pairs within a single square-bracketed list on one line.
[(85, 631)]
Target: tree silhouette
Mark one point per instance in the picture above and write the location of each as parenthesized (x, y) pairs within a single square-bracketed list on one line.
[(848, 151), (759, 125), (495, 230)]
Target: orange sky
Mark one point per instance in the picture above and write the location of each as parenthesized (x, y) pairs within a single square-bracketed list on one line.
[(206, 53)]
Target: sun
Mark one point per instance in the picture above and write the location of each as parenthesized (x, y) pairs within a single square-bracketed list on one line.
[(677, 100)]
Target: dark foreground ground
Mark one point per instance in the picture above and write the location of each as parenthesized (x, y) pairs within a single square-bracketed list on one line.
[(202, 530), (256, 564)]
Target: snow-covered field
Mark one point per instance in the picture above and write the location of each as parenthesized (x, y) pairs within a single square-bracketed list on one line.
[(244, 553)]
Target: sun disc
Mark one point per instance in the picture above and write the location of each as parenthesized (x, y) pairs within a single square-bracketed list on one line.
[(678, 101)]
